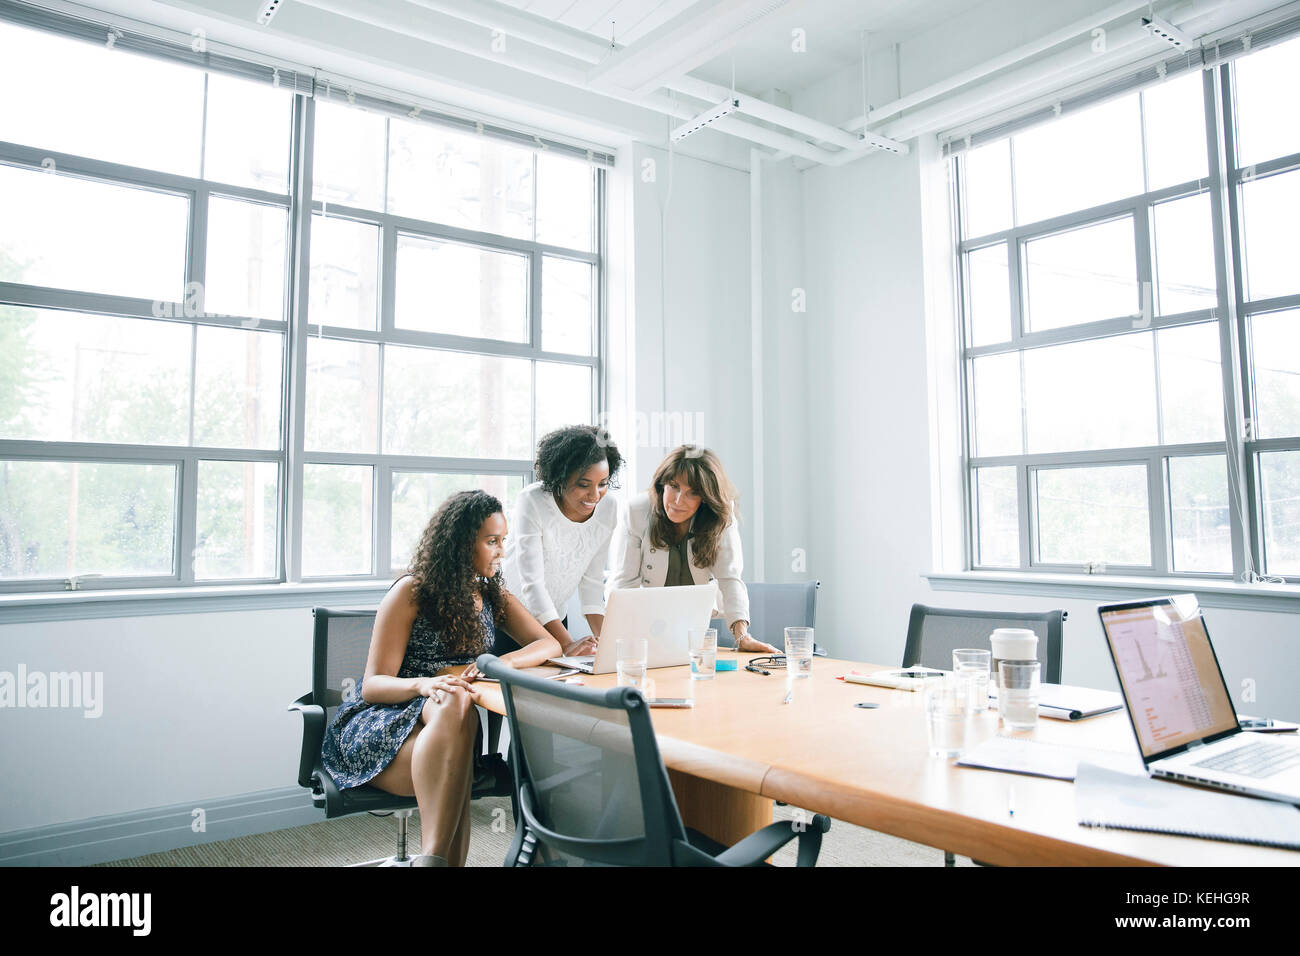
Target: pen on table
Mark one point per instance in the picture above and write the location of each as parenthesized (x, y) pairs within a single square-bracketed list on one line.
[(1011, 801)]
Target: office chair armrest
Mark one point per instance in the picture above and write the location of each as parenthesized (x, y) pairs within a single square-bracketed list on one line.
[(761, 844), (313, 734)]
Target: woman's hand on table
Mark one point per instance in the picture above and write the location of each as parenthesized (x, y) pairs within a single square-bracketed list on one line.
[(580, 647), (747, 643), (472, 673)]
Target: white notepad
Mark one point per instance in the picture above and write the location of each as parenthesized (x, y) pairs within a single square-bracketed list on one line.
[(1066, 702), (1036, 759), (1104, 798)]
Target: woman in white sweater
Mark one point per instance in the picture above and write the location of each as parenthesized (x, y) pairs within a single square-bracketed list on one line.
[(683, 531), (561, 529)]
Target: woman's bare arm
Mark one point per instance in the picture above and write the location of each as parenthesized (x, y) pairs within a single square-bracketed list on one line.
[(537, 645), (388, 646)]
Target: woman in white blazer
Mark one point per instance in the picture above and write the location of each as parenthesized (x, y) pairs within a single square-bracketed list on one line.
[(683, 531)]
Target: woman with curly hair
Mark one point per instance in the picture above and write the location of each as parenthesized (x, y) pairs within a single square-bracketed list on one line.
[(406, 727), (683, 531), (563, 524)]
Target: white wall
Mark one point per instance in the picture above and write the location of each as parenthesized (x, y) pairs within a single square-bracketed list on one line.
[(692, 316), (790, 492), (193, 709), (868, 446)]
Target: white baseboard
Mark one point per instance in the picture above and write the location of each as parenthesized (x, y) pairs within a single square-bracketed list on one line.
[(122, 835)]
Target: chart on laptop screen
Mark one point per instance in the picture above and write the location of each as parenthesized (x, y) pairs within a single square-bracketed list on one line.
[(1170, 678)]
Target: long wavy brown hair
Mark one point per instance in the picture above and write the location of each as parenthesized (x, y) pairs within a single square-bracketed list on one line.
[(445, 579), (702, 470)]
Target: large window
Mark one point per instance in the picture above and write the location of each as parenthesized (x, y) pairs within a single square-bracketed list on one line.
[(220, 365), (1121, 302), (451, 317)]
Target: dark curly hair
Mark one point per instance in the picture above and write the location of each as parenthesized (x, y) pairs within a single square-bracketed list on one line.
[(445, 579), (574, 449)]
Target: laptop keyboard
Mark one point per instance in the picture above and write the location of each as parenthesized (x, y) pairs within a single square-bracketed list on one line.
[(1255, 760)]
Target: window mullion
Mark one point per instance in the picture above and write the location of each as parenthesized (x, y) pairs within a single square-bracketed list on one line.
[(956, 192), (291, 479), (196, 263), (599, 333), (187, 543), (387, 278), (535, 299), (1232, 343), (1158, 510), (1024, 507), (534, 322), (383, 511)]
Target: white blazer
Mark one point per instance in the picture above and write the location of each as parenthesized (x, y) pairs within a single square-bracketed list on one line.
[(639, 563)]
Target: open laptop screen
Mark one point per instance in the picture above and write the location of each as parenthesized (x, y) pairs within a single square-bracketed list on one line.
[(1170, 676)]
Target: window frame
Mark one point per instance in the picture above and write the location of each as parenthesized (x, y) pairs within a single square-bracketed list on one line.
[(391, 226), (1231, 313), (293, 326)]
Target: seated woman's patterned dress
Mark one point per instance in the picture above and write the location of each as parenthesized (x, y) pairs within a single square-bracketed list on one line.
[(364, 738)]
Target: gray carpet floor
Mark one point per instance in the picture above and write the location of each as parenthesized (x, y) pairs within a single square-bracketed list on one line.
[(362, 837)]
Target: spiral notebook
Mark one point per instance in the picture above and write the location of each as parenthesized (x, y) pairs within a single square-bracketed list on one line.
[(1108, 798)]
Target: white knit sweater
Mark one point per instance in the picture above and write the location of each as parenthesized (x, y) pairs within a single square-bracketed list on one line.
[(548, 556)]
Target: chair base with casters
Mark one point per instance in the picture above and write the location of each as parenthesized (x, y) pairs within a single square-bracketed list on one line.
[(326, 795), (592, 789)]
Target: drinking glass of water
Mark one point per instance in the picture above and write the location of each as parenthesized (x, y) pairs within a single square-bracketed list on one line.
[(798, 652), (947, 706), (973, 665), (631, 655), (704, 652), (1018, 693)]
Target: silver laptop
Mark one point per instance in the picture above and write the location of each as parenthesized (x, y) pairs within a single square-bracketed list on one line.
[(660, 615), (1180, 708)]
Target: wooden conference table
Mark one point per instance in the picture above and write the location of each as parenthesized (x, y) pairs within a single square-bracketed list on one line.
[(740, 748)]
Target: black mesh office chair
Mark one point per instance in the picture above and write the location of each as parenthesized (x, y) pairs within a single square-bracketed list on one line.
[(340, 646), (933, 633), (773, 608), (592, 788)]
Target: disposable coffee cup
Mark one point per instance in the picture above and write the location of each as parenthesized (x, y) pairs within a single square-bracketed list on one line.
[(1013, 644)]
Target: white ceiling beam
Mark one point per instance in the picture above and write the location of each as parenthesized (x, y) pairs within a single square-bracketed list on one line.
[(699, 34), (456, 34), (520, 24), (1124, 44), (1011, 58), (779, 116), (552, 66), (493, 15)]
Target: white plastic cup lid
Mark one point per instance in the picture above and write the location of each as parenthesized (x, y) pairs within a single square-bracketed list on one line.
[(1014, 644)]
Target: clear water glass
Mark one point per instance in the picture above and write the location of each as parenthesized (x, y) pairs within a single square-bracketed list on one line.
[(798, 652), (1018, 683), (947, 708), (631, 654), (973, 665), (704, 652)]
